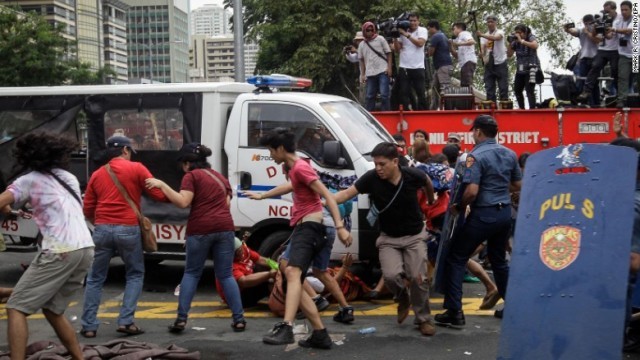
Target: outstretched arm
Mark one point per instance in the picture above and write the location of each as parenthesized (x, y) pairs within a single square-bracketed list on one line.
[(180, 199)]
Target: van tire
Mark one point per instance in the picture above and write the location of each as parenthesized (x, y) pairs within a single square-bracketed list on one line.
[(270, 245)]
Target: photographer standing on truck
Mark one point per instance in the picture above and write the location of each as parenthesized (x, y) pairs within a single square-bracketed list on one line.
[(607, 51), (375, 67), (525, 46), (622, 31), (411, 75), (117, 232), (588, 50), (463, 48), (439, 51), (494, 53)]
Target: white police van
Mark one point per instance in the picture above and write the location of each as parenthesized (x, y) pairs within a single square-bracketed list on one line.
[(334, 133)]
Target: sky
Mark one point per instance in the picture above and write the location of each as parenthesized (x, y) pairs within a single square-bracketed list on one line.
[(574, 9)]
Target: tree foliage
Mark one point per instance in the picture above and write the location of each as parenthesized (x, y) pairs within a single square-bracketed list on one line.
[(32, 53), (306, 37)]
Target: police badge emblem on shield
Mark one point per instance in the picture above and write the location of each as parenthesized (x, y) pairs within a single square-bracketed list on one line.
[(559, 246)]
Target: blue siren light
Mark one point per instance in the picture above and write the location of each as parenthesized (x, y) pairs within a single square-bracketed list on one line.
[(277, 80)]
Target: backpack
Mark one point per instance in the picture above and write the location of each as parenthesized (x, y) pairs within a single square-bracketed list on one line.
[(439, 174)]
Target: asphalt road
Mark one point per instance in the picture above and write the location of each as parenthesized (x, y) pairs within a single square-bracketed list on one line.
[(209, 331)]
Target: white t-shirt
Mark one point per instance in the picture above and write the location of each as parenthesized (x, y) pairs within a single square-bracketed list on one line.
[(468, 52), (56, 212), (497, 47), (374, 64), (411, 56), (620, 23), (587, 48), (610, 44)]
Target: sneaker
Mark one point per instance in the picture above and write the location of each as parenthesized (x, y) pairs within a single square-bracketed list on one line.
[(344, 315), (281, 334), (427, 328), (321, 303), (584, 96), (452, 317), (319, 339), (471, 279)]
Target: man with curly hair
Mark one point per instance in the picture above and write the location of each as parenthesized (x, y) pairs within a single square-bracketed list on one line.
[(66, 254)]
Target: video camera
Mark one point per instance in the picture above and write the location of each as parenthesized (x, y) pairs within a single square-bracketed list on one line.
[(389, 28), (511, 38), (602, 22)]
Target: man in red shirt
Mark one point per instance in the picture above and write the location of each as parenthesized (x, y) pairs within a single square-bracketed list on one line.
[(307, 240), (253, 285), (116, 232)]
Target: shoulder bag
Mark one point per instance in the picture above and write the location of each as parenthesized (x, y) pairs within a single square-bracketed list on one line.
[(372, 216), (149, 243)]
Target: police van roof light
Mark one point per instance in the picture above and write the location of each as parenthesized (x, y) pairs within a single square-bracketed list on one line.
[(276, 80)]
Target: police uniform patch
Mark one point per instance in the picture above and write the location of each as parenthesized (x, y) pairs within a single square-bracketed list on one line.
[(470, 161), (559, 246)]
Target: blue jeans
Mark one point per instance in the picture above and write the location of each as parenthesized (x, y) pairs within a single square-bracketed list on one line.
[(220, 246), (112, 240), (377, 83), (491, 224)]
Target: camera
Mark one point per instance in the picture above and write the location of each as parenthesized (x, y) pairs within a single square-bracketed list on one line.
[(533, 69), (511, 38), (389, 28), (569, 25), (347, 49), (602, 22)]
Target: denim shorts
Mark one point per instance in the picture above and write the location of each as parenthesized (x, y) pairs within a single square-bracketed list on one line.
[(309, 245), (321, 260)]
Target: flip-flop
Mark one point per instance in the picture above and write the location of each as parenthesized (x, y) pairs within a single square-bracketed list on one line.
[(178, 326), (89, 334), (130, 329)]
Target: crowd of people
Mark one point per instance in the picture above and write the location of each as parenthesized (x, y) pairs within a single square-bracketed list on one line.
[(417, 47)]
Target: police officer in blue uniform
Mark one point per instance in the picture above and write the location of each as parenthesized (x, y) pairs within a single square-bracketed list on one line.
[(491, 172)]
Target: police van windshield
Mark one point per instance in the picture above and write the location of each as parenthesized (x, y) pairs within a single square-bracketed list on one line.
[(362, 128)]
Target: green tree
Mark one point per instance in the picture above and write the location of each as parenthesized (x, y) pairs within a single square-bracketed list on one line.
[(32, 52), (306, 37)]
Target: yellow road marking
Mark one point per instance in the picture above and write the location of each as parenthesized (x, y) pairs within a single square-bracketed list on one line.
[(217, 309)]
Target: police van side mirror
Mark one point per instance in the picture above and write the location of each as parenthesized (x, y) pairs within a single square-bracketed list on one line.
[(245, 180), (332, 153)]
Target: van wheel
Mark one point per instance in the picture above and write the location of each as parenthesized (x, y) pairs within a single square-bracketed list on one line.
[(271, 245)]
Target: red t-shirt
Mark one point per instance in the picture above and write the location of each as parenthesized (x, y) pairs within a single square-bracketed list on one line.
[(104, 203), (242, 266), (209, 210), (305, 200)]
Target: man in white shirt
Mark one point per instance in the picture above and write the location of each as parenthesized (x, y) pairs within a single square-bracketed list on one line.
[(588, 50), (494, 53), (462, 48), (622, 31), (411, 75)]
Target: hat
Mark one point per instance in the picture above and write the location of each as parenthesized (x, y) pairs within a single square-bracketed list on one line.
[(188, 149), (237, 243), (484, 121), (120, 141), (359, 36), (455, 136)]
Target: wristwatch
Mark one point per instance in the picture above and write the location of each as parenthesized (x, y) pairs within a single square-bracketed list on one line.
[(408, 36)]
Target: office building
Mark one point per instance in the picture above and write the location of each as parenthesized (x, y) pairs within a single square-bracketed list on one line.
[(210, 20), (114, 15)]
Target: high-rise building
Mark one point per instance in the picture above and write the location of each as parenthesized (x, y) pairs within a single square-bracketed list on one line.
[(157, 33), (114, 15), (83, 25), (213, 58), (211, 20)]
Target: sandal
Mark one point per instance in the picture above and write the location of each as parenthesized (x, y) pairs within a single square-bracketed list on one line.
[(239, 326), (130, 329), (89, 334), (178, 326)]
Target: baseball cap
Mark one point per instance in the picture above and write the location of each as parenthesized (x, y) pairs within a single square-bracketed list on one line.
[(237, 243), (120, 141), (484, 121), (188, 149), (359, 36), (455, 136)]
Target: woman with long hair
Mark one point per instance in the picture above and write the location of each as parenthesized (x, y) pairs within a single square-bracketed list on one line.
[(210, 231)]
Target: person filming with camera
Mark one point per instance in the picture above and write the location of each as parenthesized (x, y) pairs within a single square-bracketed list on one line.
[(607, 51), (525, 45), (411, 75), (588, 50)]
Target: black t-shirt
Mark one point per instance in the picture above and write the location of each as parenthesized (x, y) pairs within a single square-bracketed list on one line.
[(403, 217)]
